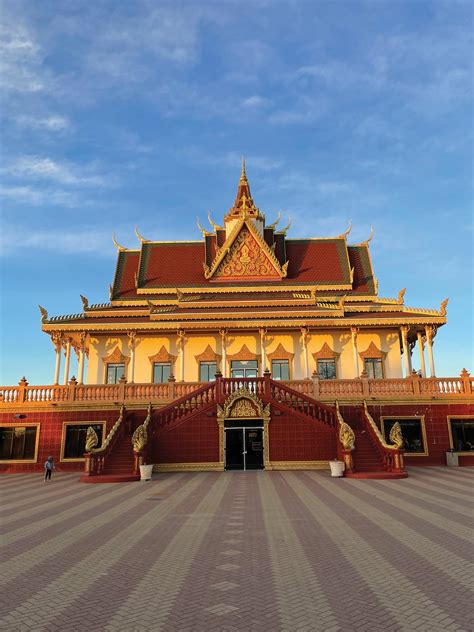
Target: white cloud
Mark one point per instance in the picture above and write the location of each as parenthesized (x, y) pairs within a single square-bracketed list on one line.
[(52, 123), (255, 101), (40, 168), (77, 241)]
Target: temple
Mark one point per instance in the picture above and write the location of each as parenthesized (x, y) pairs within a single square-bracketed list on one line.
[(244, 349)]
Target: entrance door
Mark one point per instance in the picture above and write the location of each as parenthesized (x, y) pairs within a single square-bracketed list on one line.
[(244, 449), (234, 449)]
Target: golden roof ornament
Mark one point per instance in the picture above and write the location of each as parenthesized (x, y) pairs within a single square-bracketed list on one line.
[(213, 224), (117, 245), (346, 233), (442, 309), (85, 302), (140, 237), (275, 223), (283, 231), (44, 314), (401, 296), (204, 232)]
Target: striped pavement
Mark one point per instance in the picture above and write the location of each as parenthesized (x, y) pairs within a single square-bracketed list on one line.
[(249, 551)]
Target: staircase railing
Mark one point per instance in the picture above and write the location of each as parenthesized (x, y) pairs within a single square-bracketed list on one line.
[(283, 395), (392, 455), (345, 440), (97, 457)]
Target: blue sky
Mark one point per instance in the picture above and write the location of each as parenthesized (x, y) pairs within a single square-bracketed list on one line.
[(116, 114)]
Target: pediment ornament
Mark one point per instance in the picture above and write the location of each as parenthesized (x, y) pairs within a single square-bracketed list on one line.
[(208, 355), (325, 353), (243, 354), (117, 357), (281, 353), (241, 404), (162, 356), (372, 351)]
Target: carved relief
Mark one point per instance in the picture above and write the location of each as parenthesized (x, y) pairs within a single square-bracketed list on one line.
[(372, 352), (243, 408), (243, 354), (243, 401), (325, 353), (117, 357), (208, 355), (139, 438), (281, 353), (92, 440), (162, 356), (247, 258), (396, 436), (346, 436)]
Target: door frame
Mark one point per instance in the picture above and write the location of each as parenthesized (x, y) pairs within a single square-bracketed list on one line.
[(244, 442)]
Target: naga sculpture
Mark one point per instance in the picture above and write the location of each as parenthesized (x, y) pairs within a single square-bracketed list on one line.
[(346, 436), (92, 440), (139, 438), (396, 436)]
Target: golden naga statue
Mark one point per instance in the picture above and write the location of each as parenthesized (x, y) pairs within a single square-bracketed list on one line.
[(346, 436), (396, 436), (92, 440), (139, 439)]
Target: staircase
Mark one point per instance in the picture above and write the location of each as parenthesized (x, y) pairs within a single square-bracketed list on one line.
[(372, 456)]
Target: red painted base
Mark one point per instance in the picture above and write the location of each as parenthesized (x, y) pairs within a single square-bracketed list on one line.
[(375, 475), (110, 478)]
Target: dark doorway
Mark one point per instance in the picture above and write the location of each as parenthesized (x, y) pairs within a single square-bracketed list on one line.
[(244, 449)]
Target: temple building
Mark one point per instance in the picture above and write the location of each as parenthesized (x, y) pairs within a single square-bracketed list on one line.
[(243, 349)]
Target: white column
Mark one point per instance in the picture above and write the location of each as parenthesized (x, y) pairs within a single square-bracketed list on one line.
[(354, 332), (304, 339), (430, 334), (57, 341), (421, 346), (82, 353), (68, 361), (181, 341), (404, 329), (132, 340), (223, 333), (263, 359)]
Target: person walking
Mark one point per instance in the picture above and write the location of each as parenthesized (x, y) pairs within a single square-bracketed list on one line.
[(48, 468)]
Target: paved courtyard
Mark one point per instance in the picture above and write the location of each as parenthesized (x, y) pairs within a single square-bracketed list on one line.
[(238, 551)]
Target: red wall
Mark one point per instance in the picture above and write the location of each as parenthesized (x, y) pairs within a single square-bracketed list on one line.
[(295, 439), (194, 441)]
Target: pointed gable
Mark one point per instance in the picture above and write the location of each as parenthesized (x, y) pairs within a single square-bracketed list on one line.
[(245, 256)]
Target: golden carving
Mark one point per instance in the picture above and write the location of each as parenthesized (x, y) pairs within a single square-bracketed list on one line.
[(325, 353), (162, 356), (117, 245), (283, 231), (346, 233), (139, 438), (208, 355), (204, 232), (92, 440), (116, 357), (243, 400), (396, 436), (243, 354), (140, 237), (44, 314), (281, 353), (442, 309), (243, 408), (401, 296), (246, 258), (372, 352), (346, 436), (213, 224), (275, 223), (85, 302)]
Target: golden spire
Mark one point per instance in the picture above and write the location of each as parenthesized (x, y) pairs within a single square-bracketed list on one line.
[(243, 175)]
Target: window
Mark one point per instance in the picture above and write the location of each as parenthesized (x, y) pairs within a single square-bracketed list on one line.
[(161, 372), (244, 368), (207, 371), (280, 370), (327, 369), (373, 368), (18, 443), (414, 441), (114, 373), (75, 439), (462, 432)]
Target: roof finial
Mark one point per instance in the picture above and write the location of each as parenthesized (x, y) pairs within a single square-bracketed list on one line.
[(243, 175)]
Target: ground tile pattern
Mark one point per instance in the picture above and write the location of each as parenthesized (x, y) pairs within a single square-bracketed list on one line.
[(248, 551)]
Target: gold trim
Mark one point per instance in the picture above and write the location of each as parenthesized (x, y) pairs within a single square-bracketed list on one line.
[(23, 425), (300, 465), (86, 422), (189, 467), (426, 451), (451, 443)]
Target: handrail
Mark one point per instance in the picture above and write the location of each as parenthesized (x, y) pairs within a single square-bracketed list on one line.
[(95, 459), (376, 430), (108, 440), (301, 403)]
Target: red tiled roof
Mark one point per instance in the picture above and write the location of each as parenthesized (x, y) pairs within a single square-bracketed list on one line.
[(318, 262)]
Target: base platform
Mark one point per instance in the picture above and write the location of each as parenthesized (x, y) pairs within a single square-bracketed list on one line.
[(375, 475)]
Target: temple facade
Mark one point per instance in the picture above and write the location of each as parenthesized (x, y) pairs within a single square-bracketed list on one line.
[(245, 348)]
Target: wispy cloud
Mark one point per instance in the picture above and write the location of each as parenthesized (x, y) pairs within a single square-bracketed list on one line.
[(77, 241), (41, 168), (52, 123)]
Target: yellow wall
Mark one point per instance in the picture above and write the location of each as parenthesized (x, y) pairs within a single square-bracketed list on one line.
[(339, 341)]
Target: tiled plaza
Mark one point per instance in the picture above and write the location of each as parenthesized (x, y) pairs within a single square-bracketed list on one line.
[(238, 551)]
